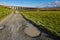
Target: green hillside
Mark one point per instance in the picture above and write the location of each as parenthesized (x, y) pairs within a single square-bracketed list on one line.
[(4, 12)]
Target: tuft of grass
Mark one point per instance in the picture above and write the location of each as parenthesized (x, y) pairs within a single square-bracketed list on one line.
[(48, 19)]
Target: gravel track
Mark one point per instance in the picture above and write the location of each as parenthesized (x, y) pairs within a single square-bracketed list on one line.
[(14, 29)]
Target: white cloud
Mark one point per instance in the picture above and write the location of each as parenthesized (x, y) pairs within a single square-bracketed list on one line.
[(2, 3)]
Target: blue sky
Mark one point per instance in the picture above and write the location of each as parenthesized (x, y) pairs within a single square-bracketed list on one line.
[(28, 3)]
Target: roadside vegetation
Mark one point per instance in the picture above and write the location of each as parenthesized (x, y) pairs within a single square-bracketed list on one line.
[(48, 19), (4, 12)]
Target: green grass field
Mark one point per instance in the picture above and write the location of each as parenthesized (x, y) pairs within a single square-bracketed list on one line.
[(4, 12), (48, 19)]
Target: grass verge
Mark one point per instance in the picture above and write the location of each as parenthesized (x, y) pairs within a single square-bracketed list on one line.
[(48, 19), (4, 12)]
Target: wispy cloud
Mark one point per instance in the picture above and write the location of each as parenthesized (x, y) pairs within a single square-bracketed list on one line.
[(2, 3)]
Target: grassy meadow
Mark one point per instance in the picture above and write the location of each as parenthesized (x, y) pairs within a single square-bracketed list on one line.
[(48, 19), (4, 12)]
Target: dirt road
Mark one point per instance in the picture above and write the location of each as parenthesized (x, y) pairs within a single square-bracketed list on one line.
[(14, 29)]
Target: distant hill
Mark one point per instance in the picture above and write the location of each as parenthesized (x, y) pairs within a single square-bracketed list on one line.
[(3, 6), (41, 9), (57, 8)]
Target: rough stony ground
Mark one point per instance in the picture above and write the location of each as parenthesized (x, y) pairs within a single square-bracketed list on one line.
[(14, 26)]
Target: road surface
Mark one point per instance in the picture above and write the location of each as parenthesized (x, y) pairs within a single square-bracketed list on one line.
[(14, 29)]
